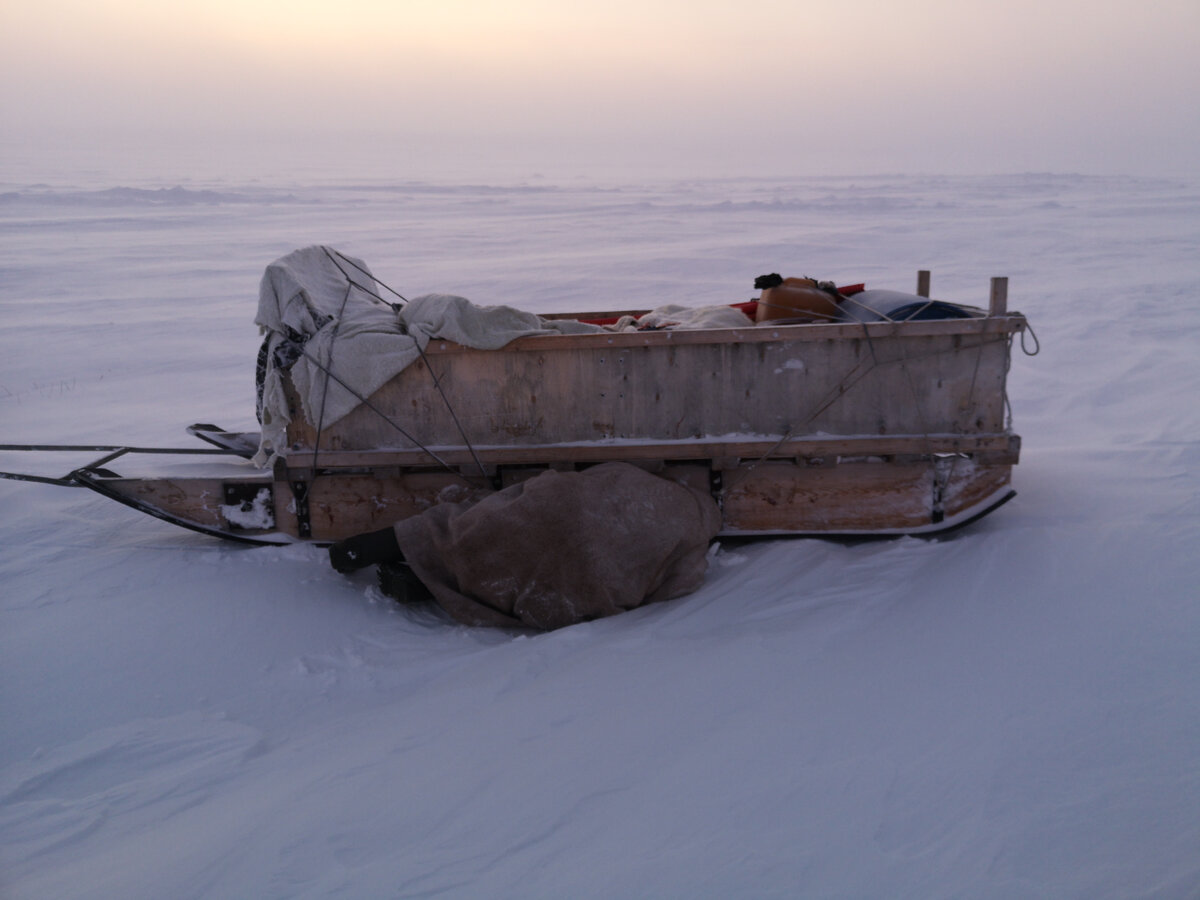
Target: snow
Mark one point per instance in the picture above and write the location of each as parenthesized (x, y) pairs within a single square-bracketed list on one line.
[(1013, 711), (255, 513)]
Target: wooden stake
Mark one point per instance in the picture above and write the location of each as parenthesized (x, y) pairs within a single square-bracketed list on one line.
[(998, 302), (923, 283)]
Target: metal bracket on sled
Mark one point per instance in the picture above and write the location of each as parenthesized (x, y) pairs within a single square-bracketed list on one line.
[(299, 488), (943, 467), (716, 483), (300, 495)]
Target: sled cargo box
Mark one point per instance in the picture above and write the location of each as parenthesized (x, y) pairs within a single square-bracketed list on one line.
[(845, 428)]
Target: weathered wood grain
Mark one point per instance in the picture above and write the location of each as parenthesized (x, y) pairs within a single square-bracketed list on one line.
[(902, 381)]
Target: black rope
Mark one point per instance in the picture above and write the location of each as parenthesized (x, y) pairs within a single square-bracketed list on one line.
[(370, 275), (327, 368), (337, 323), (437, 383), (1037, 345), (302, 498), (375, 409), (798, 313), (420, 352), (330, 376)]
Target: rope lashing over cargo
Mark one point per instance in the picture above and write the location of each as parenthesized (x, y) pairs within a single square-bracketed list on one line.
[(302, 496), (807, 314), (903, 314), (351, 283), (337, 323), (335, 255), (375, 409), (915, 311), (812, 294), (437, 383)]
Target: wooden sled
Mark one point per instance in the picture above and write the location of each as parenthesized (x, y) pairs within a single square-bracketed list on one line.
[(845, 429)]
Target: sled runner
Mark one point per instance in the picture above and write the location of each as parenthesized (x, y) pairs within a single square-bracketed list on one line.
[(869, 423)]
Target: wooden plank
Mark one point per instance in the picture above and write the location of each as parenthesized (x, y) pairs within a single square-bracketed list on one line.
[(775, 497), (857, 498), (596, 314), (197, 501), (970, 484), (912, 384), (1003, 447), (998, 298), (346, 505), (824, 331), (923, 283), (782, 497)]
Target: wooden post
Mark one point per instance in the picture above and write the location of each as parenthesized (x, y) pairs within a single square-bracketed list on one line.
[(923, 283), (998, 302)]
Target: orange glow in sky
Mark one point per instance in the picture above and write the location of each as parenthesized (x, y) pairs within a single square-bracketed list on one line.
[(866, 85)]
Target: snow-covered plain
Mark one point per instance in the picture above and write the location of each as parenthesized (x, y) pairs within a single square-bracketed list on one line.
[(1013, 711)]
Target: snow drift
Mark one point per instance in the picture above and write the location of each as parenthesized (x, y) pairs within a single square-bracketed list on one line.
[(1009, 712)]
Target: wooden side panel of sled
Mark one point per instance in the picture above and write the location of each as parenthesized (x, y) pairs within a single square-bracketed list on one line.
[(876, 379), (334, 507), (860, 498), (1002, 447), (774, 497), (221, 507)]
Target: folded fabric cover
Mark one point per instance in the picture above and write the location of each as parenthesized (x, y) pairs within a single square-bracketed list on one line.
[(685, 318), (328, 304), (563, 547)]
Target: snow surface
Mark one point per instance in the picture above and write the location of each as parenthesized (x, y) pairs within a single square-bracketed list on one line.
[(1010, 712)]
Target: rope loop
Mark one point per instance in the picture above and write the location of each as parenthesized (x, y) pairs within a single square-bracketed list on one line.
[(1037, 345)]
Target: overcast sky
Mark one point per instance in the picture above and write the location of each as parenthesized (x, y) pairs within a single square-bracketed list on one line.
[(693, 86)]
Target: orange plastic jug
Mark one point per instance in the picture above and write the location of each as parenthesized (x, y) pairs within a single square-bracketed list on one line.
[(796, 298)]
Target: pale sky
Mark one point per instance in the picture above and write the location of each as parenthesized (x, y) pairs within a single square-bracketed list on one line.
[(695, 86)]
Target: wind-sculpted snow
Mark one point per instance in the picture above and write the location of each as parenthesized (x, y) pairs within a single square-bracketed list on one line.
[(131, 196), (1008, 712)]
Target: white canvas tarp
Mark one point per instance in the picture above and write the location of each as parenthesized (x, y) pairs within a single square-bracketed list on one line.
[(328, 307)]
